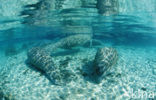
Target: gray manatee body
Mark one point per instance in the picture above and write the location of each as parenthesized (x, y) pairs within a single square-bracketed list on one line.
[(75, 40), (42, 61), (105, 58), (69, 42), (39, 58)]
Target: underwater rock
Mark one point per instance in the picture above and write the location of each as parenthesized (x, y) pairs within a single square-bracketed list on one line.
[(69, 42), (107, 7), (58, 75), (104, 59)]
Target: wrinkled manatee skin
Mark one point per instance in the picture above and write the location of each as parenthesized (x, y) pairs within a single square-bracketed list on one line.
[(69, 42), (41, 60), (105, 58), (44, 62)]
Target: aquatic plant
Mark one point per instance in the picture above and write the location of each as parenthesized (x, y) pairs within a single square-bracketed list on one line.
[(104, 59)]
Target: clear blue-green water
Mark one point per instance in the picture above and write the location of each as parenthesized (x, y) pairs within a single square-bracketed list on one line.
[(131, 31)]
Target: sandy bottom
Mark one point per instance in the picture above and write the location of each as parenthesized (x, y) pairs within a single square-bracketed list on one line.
[(134, 72)]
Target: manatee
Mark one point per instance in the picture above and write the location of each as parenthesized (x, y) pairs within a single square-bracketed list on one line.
[(105, 58), (69, 42), (44, 62), (74, 40), (41, 60)]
